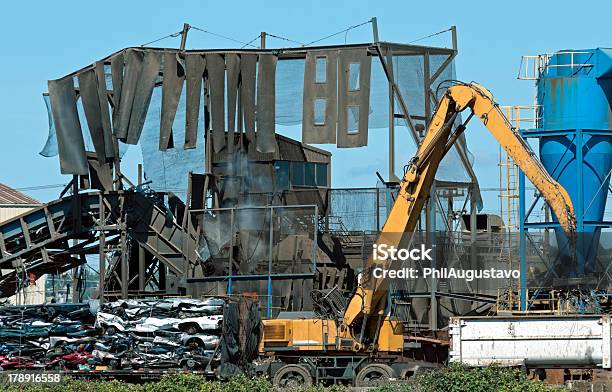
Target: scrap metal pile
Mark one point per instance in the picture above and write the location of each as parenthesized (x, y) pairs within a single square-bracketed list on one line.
[(158, 334), (122, 335), (46, 336)]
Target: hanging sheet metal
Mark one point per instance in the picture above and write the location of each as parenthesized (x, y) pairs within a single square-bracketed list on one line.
[(266, 83), (117, 64), (100, 175), (320, 108), (248, 72), (215, 65), (88, 88), (195, 64), (174, 76), (66, 120), (129, 87), (142, 98), (232, 65), (107, 128), (50, 147), (353, 97)]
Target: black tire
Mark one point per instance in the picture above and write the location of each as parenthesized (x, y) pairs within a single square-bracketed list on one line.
[(110, 330), (374, 375), (191, 329), (190, 364), (292, 377)]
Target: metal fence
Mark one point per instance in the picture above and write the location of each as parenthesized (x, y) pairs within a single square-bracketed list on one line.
[(266, 252)]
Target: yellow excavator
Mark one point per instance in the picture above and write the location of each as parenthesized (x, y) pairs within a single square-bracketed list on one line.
[(361, 343)]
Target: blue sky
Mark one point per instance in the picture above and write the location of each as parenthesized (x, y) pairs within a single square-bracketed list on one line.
[(46, 40)]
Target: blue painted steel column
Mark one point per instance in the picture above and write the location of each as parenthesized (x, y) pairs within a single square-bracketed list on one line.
[(580, 252), (522, 245)]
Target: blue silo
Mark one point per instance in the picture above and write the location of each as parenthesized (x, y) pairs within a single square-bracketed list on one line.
[(575, 109)]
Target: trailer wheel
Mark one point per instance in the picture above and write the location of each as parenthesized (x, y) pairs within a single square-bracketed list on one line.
[(292, 377), (373, 375)]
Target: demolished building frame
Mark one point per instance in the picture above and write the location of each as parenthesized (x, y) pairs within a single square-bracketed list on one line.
[(164, 248)]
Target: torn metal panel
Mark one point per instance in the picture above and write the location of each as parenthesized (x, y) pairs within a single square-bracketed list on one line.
[(232, 64), (117, 63), (142, 98), (66, 119), (100, 175), (128, 91), (266, 111), (88, 88), (320, 108), (353, 97), (174, 76), (198, 191), (195, 64), (215, 66), (248, 70), (107, 129)]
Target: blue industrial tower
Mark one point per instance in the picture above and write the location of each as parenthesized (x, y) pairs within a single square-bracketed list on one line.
[(574, 128)]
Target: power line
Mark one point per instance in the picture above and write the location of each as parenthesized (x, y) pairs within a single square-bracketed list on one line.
[(338, 33), (250, 42), (173, 35), (40, 187), (223, 36), (430, 35), (285, 39)]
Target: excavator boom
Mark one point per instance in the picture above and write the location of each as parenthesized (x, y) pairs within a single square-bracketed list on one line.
[(368, 304)]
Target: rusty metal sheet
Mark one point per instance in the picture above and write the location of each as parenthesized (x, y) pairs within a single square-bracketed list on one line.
[(195, 64), (232, 64), (353, 97), (174, 76), (297, 293), (266, 111), (128, 91), (198, 183), (320, 108), (230, 190), (215, 65), (107, 129), (307, 289), (144, 91), (100, 175), (71, 146), (117, 63), (88, 88), (248, 70)]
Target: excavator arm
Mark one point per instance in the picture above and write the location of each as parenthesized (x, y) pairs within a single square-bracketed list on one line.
[(368, 304)]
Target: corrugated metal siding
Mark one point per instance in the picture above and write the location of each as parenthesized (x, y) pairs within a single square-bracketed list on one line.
[(7, 213)]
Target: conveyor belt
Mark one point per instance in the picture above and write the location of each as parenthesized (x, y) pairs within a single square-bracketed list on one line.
[(45, 239)]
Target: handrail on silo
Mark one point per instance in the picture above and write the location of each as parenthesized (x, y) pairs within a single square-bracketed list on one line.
[(533, 66)]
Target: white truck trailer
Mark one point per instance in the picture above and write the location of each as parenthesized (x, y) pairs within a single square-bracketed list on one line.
[(572, 341)]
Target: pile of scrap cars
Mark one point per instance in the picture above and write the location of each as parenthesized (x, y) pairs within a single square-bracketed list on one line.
[(130, 335)]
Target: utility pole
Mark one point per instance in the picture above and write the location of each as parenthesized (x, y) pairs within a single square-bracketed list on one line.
[(375, 29), (262, 40), (186, 28)]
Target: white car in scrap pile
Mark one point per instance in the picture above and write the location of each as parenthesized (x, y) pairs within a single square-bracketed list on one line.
[(111, 324)]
